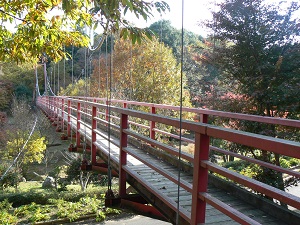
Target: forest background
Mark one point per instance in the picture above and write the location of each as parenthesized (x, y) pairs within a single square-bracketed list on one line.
[(249, 63)]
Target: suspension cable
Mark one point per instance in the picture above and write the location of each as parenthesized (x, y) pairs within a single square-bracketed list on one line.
[(180, 116), (72, 65), (85, 101), (130, 73), (161, 45), (109, 84), (90, 71), (102, 39), (58, 78), (37, 89), (54, 78), (64, 70), (72, 74), (99, 78), (48, 90)]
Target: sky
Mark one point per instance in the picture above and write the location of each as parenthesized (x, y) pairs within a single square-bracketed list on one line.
[(194, 11)]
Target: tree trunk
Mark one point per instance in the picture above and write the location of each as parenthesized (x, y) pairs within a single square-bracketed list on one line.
[(82, 182)]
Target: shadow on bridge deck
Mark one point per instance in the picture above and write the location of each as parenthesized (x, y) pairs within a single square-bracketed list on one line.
[(257, 208)]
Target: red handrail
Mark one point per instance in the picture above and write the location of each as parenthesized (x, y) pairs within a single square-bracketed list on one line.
[(203, 132)]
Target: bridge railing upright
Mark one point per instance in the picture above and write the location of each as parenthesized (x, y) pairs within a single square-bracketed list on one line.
[(199, 158)]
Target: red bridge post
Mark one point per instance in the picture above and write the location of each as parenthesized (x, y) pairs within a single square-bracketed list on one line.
[(200, 178), (123, 156), (62, 114), (52, 108), (69, 119), (152, 124), (56, 107), (94, 127), (78, 124), (107, 110), (49, 107)]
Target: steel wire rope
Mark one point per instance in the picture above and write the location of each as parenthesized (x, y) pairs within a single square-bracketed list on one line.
[(90, 71), (72, 65), (72, 74), (85, 101), (109, 86), (58, 78), (37, 89), (54, 78), (180, 113), (64, 70), (48, 79), (101, 40), (130, 72), (48, 89), (99, 75), (161, 51)]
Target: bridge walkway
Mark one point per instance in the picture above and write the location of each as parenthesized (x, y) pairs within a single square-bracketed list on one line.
[(166, 190), (153, 171)]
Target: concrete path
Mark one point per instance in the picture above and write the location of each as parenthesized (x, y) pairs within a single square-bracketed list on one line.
[(124, 219)]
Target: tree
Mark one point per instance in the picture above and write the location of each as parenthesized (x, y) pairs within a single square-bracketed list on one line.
[(201, 77), (171, 36), (74, 173), (6, 91), (24, 144), (79, 88), (146, 72), (45, 27), (258, 53), (33, 151), (11, 179), (20, 80)]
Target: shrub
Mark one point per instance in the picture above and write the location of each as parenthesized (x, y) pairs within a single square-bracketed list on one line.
[(100, 216), (92, 203), (68, 210), (33, 212), (26, 210), (42, 197), (40, 214), (237, 165), (7, 219), (5, 205)]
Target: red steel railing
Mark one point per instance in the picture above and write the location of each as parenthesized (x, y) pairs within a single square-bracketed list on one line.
[(97, 111)]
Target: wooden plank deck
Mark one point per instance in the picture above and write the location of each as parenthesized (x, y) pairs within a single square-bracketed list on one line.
[(167, 188), (165, 197)]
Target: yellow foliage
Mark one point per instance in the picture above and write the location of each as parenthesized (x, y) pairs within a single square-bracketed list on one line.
[(147, 72), (33, 151)]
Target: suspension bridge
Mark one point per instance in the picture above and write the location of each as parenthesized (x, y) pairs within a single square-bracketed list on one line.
[(182, 187)]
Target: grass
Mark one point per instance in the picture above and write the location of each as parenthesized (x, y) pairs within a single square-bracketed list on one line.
[(36, 186), (24, 187), (30, 204)]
